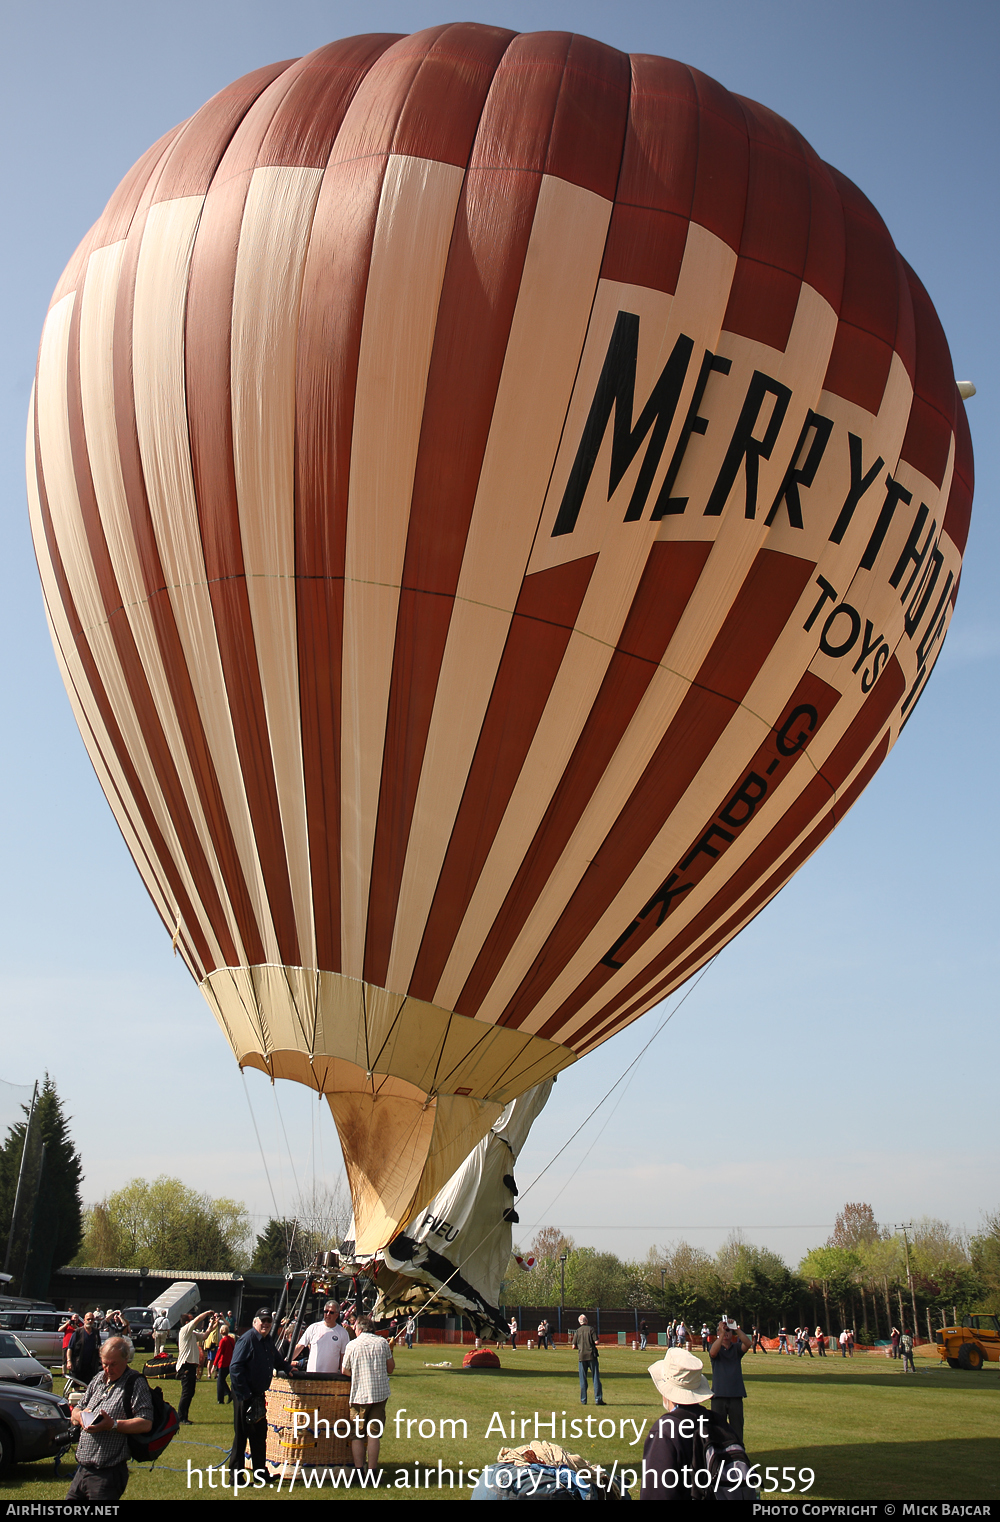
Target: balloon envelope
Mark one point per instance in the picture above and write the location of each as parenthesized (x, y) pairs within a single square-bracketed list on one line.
[(497, 502)]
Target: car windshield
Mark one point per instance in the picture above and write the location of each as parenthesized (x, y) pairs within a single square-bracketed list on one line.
[(12, 1347)]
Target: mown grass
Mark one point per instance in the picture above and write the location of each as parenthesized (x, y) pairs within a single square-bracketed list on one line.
[(868, 1431)]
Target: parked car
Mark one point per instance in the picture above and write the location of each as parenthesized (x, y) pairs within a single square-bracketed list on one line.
[(39, 1331), (140, 1319), (18, 1366), (33, 1425)]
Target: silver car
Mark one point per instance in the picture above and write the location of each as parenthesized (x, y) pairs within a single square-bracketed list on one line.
[(39, 1331), (18, 1366)]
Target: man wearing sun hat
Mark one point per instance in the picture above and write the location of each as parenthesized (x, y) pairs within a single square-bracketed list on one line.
[(669, 1450)]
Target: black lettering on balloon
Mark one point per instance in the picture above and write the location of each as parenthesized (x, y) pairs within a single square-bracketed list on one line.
[(869, 678), (616, 393), (861, 479), (705, 844), (847, 642), (665, 504), (789, 739), (791, 747), (913, 552), (745, 448), (662, 898), (749, 794), (804, 474), (827, 593), (893, 493), (870, 642), (936, 626), (924, 593)]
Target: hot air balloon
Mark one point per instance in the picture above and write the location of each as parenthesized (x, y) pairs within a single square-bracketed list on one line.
[(453, 1255), (498, 501)]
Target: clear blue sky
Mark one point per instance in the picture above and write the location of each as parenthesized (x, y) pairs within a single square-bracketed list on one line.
[(845, 1047)]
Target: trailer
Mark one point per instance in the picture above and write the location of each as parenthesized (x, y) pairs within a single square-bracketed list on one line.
[(176, 1301)]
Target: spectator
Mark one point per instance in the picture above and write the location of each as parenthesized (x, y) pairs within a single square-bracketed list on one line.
[(85, 1350), (587, 1352), (906, 1350), (728, 1390), (69, 1326), (326, 1341), (643, 1335), (161, 1331), (189, 1340), (252, 1368), (223, 1358), (410, 1330), (369, 1362), (669, 1450), (102, 1452)]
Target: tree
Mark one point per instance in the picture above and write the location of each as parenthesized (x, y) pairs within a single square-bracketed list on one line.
[(164, 1224), (56, 1213), (325, 1213), (283, 1243), (833, 1269), (856, 1226), (984, 1250)]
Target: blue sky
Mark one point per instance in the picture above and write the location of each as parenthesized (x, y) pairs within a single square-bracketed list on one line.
[(845, 1046)]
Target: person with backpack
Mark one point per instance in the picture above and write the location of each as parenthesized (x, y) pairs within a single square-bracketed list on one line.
[(118, 1404), (906, 1350), (690, 1453)]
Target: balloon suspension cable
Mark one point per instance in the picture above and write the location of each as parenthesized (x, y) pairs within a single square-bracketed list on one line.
[(267, 1174), (281, 1122), (299, 1313), (539, 1176)]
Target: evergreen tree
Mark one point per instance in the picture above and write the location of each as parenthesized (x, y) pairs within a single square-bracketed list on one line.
[(56, 1213), (271, 1253)]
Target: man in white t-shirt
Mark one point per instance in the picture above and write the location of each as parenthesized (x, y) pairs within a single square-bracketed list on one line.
[(326, 1341)]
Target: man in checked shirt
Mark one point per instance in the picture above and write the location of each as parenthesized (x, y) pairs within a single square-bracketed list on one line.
[(102, 1452), (369, 1361)]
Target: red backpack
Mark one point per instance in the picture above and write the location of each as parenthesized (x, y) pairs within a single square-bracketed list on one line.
[(146, 1447)]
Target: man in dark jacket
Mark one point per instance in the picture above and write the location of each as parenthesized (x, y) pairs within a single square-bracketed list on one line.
[(585, 1342), (253, 1364), (85, 1350)]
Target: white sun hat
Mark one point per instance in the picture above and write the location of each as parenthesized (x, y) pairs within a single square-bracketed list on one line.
[(679, 1377)]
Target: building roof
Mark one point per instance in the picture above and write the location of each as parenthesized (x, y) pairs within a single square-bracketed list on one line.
[(173, 1275)]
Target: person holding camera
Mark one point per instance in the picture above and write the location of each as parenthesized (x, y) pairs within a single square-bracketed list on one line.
[(190, 1337), (728, 1390)]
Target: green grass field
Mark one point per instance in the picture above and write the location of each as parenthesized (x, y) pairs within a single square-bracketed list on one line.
[(867, 1431)]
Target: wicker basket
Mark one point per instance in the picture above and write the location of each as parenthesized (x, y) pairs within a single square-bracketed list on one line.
[(310, 1447)]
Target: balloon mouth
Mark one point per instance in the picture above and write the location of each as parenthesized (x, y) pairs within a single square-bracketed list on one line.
[(412, 1087)]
